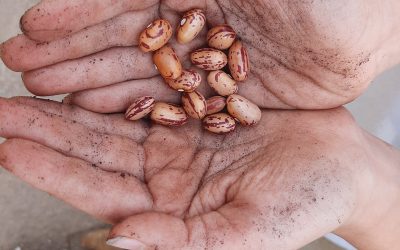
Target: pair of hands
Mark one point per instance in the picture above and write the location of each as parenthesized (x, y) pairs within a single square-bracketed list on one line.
[(279, 185)]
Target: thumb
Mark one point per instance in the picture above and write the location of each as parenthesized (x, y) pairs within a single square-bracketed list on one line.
[(149, 231), (227, 228)]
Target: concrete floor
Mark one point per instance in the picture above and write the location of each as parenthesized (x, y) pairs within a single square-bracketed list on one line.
[(33, 220)]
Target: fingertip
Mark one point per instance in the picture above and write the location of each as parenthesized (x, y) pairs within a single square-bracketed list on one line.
[(34, 86), (24, 21), (36, 24), (8, 56), (26, 79)]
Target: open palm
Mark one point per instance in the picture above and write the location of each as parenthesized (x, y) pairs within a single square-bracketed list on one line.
[(304, 54), (278, 185)]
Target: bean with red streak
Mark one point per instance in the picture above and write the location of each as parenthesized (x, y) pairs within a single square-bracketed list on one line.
[(194, 104), (239, 64), (187, 82), (222, 83), (221, 37), (140, 108), (243, 110), (209, 59), (219, 123), (167, 62), (156, 35), (168, 114), (190, 26)]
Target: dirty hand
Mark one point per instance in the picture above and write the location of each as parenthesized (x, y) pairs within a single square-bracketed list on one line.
[(280, 185), (304, 54)]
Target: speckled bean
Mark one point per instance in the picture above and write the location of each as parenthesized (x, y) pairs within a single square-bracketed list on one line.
[(194, 104), (243, 110), (190, 26), (219, 123), (239, 64), (167, 62), (221, 37), (222, 83), (215, 104), (187, 82), (209, 59), (168, 114), (156, 35), (140, 108)]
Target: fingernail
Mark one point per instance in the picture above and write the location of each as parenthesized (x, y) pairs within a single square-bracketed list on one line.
[(127, 243)]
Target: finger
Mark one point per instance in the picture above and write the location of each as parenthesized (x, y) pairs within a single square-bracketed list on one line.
[(98, 70), (115, 124), (23, 54), (110, 152), (123, 94), (107, 196), (226, 228), (53, 19), (212, 10)]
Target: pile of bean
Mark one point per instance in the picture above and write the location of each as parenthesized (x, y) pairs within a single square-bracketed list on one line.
[(222, 37)]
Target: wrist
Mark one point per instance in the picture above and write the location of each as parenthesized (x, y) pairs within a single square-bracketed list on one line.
[(375, 222)]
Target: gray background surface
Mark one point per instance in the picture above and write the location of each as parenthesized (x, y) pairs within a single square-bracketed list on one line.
[(34, 220)]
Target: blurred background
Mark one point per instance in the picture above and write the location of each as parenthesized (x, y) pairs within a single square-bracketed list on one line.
[(33, 220)]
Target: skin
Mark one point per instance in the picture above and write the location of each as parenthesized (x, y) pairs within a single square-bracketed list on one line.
[(304, 54), (278, 185)]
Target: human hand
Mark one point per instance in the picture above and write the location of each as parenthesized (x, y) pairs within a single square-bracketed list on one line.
[(304, 54), (279, 185)]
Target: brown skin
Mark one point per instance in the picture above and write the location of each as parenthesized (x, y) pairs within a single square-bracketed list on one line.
[(304, 54), (279, 185)]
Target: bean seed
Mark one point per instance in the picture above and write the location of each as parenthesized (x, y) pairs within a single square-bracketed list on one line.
[(167, 62), (239, 64), (215, 104), (221, 37), (194, 104), (190, 26), (243, 110), (187, 82), (209, 59), (219, 123), (156, 35), (168, 114), (140, 108), (222, 83)]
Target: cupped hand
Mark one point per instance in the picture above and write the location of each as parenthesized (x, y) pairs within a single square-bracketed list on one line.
[(279, 185), (304, 54)]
